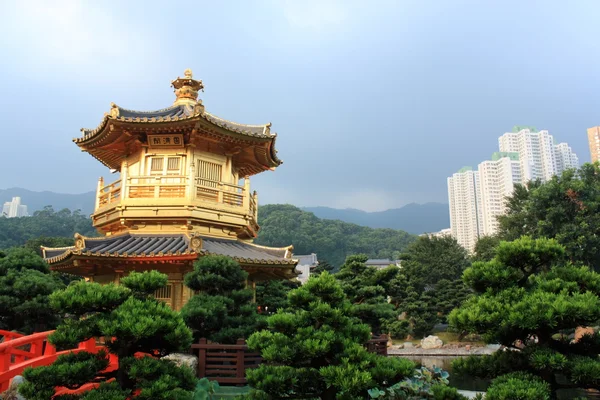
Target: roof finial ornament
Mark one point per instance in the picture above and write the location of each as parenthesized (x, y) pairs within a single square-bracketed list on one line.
[(186, 88)]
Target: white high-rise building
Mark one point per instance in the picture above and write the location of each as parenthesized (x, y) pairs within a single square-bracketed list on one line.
[(477, 198), (14, 208), (465, 207), (565, 157), (539, 157), (497, 178)]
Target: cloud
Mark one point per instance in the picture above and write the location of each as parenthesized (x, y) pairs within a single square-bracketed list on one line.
[(75, 37)]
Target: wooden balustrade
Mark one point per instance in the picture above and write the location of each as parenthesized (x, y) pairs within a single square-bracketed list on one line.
[(227, 363)]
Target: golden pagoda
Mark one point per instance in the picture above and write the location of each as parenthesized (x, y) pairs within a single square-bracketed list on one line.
[(183, 192)]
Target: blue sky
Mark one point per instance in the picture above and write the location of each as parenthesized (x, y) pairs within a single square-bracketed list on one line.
[(375, 103)]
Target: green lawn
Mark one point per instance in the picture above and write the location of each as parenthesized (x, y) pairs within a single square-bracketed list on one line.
[(230, 392)]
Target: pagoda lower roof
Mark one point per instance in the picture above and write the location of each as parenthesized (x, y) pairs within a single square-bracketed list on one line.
[(130, 245)]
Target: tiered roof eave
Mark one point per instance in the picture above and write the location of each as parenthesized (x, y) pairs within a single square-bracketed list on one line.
[(132, 247), (181, 115)]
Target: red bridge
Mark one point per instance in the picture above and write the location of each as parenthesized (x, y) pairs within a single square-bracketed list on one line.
[(18, 352)]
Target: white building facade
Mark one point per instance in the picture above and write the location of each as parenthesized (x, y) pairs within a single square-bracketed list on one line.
[(539, 156), (14, 208), (497, 178), (477, 198), (465, 207)]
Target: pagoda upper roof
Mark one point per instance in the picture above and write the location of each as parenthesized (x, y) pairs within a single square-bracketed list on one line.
[(174, 113), (147, 246), (123, 131)]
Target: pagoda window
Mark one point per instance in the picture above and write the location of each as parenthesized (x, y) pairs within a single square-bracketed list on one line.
[(156, 165), (164, 294), (165, 165), (209, 173)]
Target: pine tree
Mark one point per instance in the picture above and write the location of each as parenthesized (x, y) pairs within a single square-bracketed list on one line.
[(25, 284), (322, 267), (367, 289), (130, 320), (272, 295), (529, 299), (315, 349), (222, 311)]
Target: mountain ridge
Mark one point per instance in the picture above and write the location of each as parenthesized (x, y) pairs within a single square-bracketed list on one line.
[(413, 218)]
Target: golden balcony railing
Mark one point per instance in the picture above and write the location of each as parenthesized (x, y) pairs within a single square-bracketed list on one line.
[(108, 194), (220, 192), (177, 187), (156, 186)]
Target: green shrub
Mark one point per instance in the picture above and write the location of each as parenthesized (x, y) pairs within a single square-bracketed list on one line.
[(518, 386)]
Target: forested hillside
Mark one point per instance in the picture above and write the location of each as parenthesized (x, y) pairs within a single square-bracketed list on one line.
[(44, 223), (281, 225), (332, 240)]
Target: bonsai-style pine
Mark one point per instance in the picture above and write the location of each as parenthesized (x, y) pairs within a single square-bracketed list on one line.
[(315, 349), (529, 299), (366, 287), (222, 311), (272, 295), (25, 284), (130, 320)]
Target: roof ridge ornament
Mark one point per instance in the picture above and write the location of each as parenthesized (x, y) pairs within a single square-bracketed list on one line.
[(186, 88)]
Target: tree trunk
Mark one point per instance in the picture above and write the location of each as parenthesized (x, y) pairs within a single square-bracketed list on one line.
[(122, 377)]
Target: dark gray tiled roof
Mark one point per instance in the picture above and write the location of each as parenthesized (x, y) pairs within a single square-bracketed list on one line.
[(138, 245), (241, 250), (174, 111), (381, 261), (55, 252)]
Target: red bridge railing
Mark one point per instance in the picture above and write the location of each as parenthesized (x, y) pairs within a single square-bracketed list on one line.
[(18, 352)]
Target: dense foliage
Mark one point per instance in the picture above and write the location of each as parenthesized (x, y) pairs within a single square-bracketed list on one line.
[(45, 223), (529, 298), (130, 320), (25, 284), (282, 225), (366, 288), (223, 309), (315, 349), (566, 208), (322, 267), (432, 258), (272, 295), (485, 248), (428, 285)]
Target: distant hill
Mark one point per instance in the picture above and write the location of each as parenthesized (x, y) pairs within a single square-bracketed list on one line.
[(36, 201), (413, 218), (333, 241), (281, 225)]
